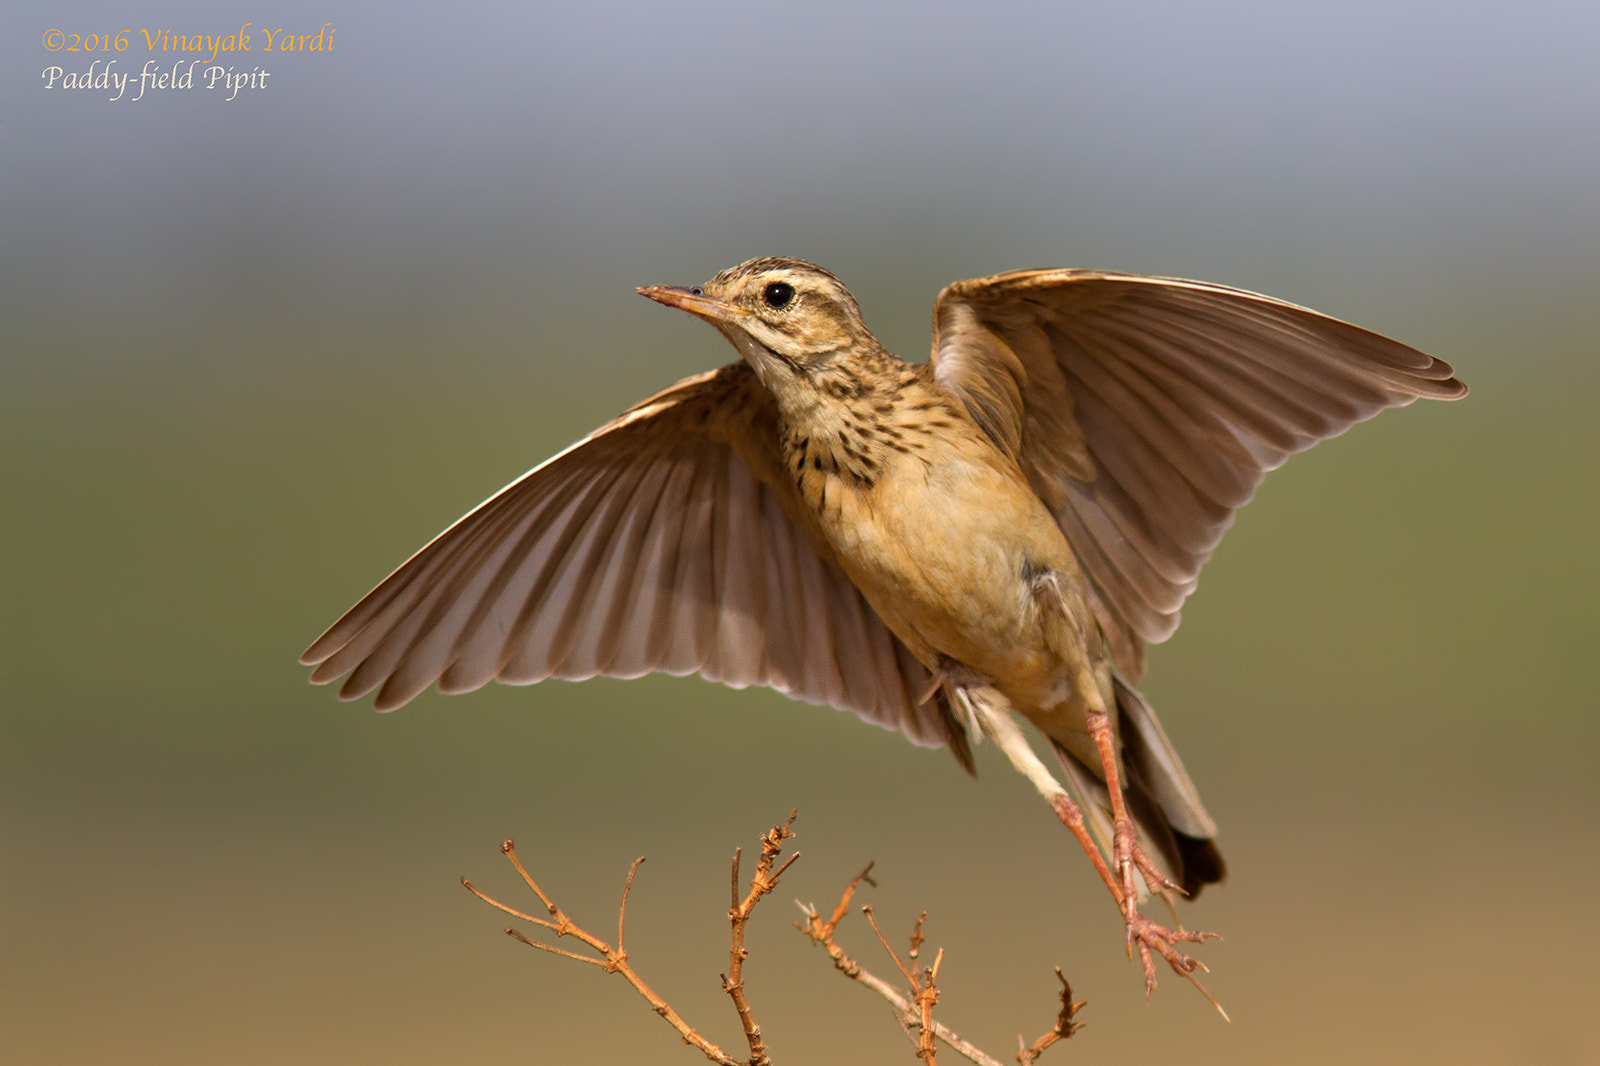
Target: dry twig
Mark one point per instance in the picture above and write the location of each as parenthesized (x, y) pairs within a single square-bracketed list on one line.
[(1065, 1026), (914, 1013), (764, 881), (615, 960)]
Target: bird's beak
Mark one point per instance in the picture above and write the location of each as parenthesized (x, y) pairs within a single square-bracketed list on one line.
[(694, 302), (730, 321)]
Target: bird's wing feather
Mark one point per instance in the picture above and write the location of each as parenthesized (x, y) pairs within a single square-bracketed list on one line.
[(1145, 411), (668, 540)]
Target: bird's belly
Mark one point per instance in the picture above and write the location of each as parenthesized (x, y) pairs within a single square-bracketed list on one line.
[(942, 551)]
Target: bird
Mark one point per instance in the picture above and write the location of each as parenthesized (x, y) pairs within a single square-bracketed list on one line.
[(943, 547)]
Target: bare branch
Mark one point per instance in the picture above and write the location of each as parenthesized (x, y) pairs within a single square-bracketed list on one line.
[(916, 934), (912, 1008), (1065, 1026), (622, 911), (762, 882), (513, 934), (844, 901), (509, 910), (612, 960), (872, 919), (927, 995), (906, 1013)]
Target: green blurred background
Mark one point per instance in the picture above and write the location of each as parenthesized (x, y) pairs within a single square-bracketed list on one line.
[(258, 351)]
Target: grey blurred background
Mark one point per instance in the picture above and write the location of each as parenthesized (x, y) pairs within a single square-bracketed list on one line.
[(257, 351)]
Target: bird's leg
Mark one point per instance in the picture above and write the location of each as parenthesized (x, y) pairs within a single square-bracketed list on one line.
[(992, 711), (1126, 857)]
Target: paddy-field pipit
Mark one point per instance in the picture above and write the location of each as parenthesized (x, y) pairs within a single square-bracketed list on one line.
[(934, 546)]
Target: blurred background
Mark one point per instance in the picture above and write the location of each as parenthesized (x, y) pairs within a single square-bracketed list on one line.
[(259, 350)]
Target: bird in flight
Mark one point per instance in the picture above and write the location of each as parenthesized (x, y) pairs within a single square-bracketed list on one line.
[(938, 547)]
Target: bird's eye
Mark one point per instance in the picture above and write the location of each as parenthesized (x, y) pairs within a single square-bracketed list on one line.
[(777, 294)]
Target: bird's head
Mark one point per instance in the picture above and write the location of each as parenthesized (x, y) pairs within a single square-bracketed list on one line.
[(789, 319)]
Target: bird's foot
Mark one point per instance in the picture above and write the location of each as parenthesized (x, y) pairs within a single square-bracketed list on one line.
[(1150, 937), (1154, 939)]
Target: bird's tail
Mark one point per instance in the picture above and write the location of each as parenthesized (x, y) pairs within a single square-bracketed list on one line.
[(1174, 827)]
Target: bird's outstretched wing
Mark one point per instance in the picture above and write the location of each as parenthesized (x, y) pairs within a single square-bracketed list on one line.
[(1146, 410), (667, 540)]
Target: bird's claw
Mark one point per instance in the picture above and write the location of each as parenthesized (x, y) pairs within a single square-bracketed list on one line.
[(1153, 937), (1150, 937)]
